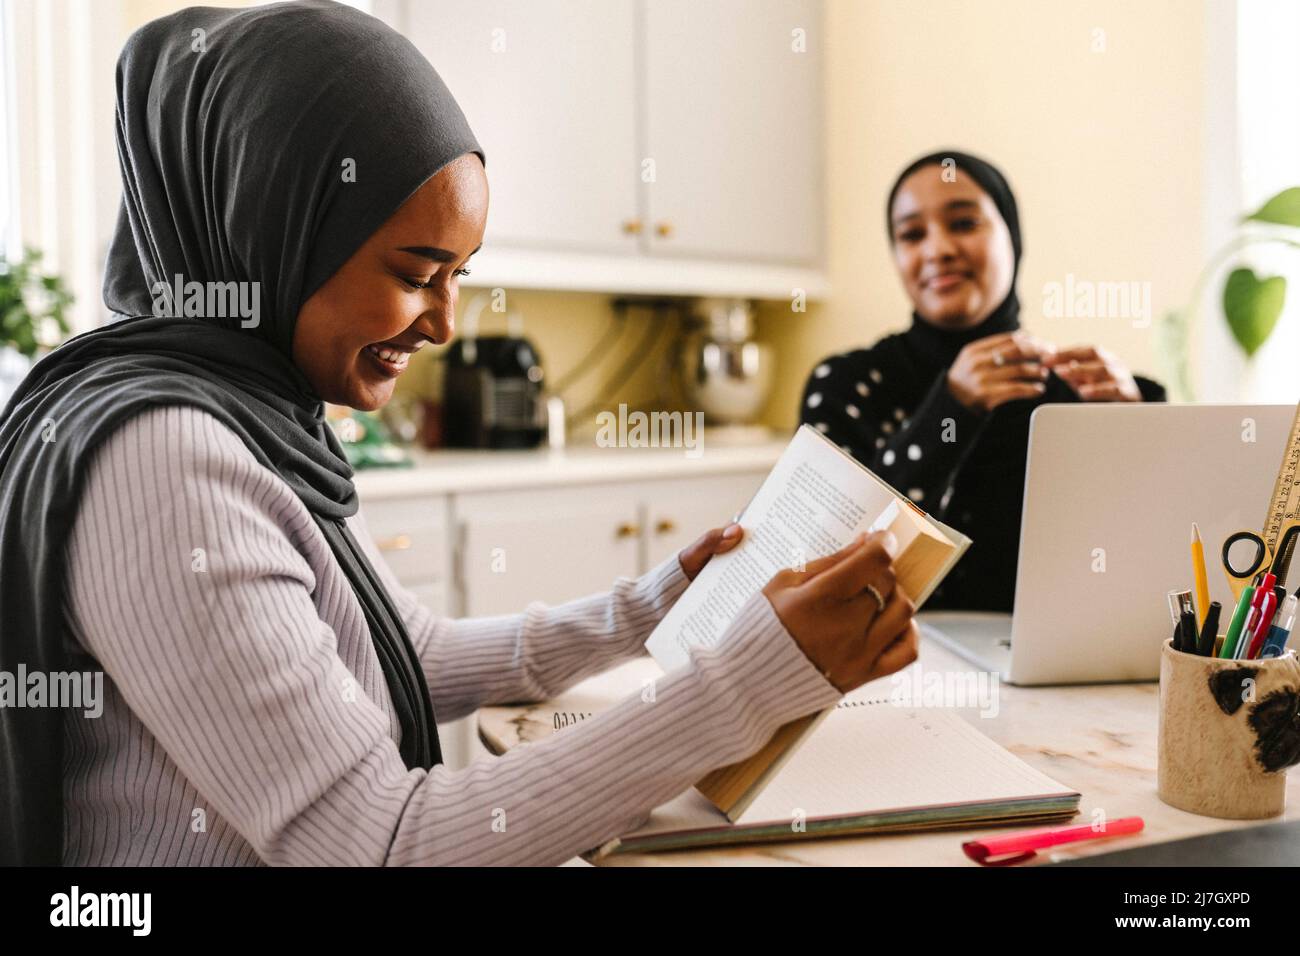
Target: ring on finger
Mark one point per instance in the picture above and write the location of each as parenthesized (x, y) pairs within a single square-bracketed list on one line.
[(998, 359), (875, 593)]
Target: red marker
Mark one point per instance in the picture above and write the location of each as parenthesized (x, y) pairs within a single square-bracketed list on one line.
[(1266, 601), (1017, 849)]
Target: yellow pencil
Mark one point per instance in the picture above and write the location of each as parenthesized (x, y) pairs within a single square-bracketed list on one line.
[(1198, 570)]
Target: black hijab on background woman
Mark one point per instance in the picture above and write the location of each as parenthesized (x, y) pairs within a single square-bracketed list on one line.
[(235, 129), (890, 407)]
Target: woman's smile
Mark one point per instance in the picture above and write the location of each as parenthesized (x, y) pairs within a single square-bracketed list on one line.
[(947, 281), (390, 360)]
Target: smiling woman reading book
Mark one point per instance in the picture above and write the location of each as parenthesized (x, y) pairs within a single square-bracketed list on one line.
[(178, 515)]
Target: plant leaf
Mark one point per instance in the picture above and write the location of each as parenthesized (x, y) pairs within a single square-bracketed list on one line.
[(1283, 209), (1252, 307)]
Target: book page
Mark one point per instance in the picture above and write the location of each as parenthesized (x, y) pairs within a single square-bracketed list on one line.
[(815, 501)]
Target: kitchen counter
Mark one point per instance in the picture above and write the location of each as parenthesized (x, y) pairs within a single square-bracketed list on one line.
[(462, 470)]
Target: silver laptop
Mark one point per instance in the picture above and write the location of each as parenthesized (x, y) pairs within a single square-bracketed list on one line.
[(1110, 497)]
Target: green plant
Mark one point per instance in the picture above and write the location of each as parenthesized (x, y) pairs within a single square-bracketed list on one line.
[(1252, 304), (30, 303)]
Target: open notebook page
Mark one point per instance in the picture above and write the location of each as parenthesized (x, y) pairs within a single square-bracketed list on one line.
[(873, 758)]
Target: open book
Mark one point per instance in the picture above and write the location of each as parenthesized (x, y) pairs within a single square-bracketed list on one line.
[(815, 501)]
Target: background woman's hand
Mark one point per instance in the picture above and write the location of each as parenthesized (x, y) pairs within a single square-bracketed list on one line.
[(1095, 374), (837, 623), (696, 556), (999, 368)]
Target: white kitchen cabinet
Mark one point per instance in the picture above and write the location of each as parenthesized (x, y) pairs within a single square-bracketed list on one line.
[(560, 544), (550, 545), (679, 511), (549, 88), (640, 146), (492, 552), (412, 533), (436, 596), (733, 124)]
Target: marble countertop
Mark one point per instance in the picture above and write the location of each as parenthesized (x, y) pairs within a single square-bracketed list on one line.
[(1099, 740)]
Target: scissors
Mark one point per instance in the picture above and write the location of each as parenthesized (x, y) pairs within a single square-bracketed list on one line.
[(1277, 562)]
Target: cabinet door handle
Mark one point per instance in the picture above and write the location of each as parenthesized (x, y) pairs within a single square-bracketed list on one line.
[(665, 526), (664, 230), (398, 542), (627, 530), (632, 227)]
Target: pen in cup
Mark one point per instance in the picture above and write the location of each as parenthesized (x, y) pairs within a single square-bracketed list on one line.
[(1210, 630), (1280, 632), (1183, 613)]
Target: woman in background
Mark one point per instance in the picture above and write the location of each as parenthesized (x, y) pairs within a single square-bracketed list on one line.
[(941, 411)]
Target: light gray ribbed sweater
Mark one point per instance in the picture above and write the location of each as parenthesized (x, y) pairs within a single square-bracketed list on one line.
[(246, 718)]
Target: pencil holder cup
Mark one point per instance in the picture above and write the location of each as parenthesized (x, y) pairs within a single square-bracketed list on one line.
[(1228, 731)]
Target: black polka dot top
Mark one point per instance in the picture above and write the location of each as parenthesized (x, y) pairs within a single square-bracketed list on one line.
[(890, 408)]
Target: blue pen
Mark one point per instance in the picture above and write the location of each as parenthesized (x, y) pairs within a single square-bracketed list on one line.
[(1279, 633)]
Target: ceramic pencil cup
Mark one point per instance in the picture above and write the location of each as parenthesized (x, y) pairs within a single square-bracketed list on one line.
[(1228, 731)]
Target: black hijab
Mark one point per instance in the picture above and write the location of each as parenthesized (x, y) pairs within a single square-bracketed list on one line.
[(256, 146), (935, 348)]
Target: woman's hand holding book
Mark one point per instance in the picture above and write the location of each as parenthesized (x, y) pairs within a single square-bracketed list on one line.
[(846, 612)]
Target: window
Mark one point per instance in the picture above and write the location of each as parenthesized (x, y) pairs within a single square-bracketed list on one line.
[(1253, 152), (1268, 102)]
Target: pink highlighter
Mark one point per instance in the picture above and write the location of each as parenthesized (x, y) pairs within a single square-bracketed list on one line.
[(1021, 847)]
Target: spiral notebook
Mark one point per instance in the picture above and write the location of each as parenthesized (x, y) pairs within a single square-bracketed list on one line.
[(871, 766)]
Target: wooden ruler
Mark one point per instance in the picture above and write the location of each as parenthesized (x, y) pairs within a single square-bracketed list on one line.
[(1285, 503)]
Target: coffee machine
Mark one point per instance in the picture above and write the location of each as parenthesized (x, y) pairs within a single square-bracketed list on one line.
[(492, 393)]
